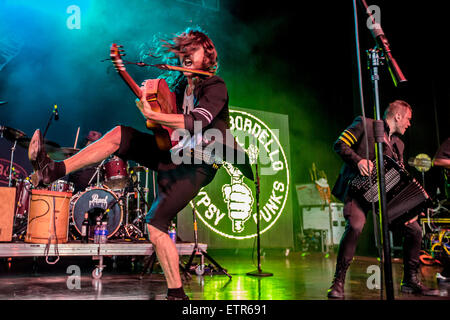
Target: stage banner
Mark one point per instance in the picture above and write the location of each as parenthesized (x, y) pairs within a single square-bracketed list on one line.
[(226, 208)]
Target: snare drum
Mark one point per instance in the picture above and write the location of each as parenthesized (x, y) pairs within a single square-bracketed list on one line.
[(95, 201), (116, 174)]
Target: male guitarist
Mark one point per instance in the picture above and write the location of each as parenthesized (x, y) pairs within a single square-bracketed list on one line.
[(351, 147), (201, 100)]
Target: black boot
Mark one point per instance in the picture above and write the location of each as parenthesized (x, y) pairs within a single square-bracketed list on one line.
[(176, 294), (46, 170), (411, 284), (336, 290)]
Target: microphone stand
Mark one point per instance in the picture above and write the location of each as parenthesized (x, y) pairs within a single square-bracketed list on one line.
[(378, 128), (48, 123), (258, 273), (382, 45)]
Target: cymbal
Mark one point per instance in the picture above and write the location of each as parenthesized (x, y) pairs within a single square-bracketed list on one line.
[(422, 162), (11, 133), (50, 146), (62, 153)]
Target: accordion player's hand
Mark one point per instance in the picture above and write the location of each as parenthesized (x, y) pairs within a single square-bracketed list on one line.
[(365, 167), (414, 219), (411, 221)]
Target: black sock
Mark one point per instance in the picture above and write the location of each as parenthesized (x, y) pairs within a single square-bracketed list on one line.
[(176, 292), (61, 168)]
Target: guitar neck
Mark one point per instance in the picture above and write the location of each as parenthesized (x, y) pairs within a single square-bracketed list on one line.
[(131, 83)]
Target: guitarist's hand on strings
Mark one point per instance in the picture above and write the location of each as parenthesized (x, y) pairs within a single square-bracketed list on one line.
[(365, 167), (173, 120), (143, 104)]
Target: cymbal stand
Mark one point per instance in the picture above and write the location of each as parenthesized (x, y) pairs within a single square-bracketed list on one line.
[(12, 156), (97, 173), (198, 251), (131, 227), (11, 163)]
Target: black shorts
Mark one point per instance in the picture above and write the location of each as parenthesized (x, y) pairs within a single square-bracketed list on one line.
[(177, 184)]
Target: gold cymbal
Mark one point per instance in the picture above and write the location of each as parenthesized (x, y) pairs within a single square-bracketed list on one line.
[(422, 162), (62, 153)]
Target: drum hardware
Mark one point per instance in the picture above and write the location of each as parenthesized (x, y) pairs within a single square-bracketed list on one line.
[(12, 135), (61, 186), (97, 174), (138, 194), (118, 225)]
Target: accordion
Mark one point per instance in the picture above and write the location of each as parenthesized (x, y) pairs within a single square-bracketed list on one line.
[(405, 196)]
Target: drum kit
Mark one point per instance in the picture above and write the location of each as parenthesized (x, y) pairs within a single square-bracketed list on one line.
[(115, 193)]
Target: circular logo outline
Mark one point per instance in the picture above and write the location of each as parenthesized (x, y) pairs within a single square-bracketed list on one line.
[(286, 192)]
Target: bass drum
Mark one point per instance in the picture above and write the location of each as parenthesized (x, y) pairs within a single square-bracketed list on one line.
[(95, 201)]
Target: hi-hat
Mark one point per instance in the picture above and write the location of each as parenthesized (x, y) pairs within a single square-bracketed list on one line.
[(11, 133)]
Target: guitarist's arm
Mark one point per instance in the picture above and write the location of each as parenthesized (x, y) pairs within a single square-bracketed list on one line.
[(171, 120)]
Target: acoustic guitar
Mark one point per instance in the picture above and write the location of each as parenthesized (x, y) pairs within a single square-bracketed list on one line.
[(159, 96)]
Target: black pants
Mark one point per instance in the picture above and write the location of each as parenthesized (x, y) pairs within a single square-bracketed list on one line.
[(177, 184), (355, 220)]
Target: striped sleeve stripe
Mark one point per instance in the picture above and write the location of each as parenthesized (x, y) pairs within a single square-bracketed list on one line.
[(349, 132), (350, 137), (342, 138), (205, 113)]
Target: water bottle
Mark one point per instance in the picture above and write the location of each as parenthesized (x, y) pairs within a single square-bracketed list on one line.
[(173, 232), (85, 229), (104, 232), (97, 232)]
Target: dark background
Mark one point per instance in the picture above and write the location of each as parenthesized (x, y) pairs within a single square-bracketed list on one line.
[(295, 58)]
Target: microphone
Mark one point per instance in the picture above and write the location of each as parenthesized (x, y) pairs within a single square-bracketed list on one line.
[(55, 111), (382, 41)]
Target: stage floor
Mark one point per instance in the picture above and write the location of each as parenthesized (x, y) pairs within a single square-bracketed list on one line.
[(296, 276)]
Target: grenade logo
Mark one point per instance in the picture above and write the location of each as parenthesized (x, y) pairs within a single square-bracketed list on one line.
[(238, 197)]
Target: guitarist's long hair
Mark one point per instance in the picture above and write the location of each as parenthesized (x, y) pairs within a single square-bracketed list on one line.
[(168, 49)]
